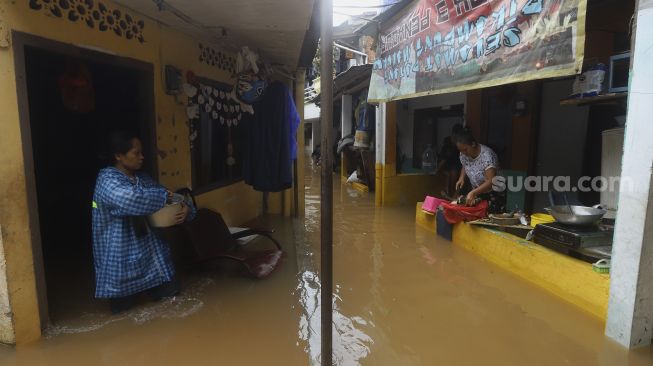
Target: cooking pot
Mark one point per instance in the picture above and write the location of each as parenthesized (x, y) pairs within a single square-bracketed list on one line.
[(574, 214), (577, 215)]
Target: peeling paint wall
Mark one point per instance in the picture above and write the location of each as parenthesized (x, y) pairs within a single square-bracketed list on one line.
[(161, 45)]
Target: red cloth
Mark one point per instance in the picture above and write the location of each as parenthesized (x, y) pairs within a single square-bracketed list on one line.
[(457, 213)]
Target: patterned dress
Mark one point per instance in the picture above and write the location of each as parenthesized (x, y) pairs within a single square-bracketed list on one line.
[(475, 171), (126, 261)]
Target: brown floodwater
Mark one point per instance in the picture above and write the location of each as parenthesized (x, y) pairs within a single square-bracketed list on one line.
[(401, 297)]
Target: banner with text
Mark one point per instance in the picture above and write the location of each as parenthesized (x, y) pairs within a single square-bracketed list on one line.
[(443, 46)]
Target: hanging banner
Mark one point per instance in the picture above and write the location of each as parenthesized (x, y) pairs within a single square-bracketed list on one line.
[(443, 46)]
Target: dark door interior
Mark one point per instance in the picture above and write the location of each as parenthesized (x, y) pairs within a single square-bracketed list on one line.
[(74, 103), (431, 126), (499, 116)]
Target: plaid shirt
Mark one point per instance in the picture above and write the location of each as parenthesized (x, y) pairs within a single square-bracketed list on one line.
[(125, 263)]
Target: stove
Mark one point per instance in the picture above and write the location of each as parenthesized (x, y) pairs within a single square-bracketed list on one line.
[(588, 243), (574, 237)]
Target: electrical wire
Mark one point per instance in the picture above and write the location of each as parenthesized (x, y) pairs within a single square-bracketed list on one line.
[(356, 16), (365, 7)]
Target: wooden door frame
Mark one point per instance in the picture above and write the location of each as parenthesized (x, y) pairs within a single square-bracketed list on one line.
[(20, 41)]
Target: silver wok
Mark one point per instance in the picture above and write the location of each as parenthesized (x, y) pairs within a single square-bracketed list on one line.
[(576, 215)]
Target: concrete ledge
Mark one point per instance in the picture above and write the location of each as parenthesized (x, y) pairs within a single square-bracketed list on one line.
[(568, 278), (423, 219)]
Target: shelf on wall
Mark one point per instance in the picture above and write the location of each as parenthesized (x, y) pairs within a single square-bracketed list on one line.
[(603, 98)]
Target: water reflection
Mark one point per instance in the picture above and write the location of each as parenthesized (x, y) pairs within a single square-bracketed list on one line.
[(350, 344)]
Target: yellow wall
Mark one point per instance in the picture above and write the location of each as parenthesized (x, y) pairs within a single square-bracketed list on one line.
[(406, 189), (571, 279), (238, 203), (568, 278), (401, 189)]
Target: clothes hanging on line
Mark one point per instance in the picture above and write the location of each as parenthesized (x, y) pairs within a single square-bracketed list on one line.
[(271, 144)]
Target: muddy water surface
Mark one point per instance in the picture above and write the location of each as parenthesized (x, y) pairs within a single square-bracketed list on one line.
[(402, 297)]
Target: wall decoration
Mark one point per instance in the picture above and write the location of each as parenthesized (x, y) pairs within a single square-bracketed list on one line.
[(93, 14), (216, 138), (76, 87), (222, 60)]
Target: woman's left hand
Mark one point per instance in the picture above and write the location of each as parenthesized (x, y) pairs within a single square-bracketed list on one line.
[(471, 197), (182, 214)]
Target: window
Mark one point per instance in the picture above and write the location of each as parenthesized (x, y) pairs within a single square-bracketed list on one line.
[(216, 136)]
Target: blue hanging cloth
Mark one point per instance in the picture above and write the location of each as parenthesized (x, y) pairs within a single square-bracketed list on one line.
[(271, 144)]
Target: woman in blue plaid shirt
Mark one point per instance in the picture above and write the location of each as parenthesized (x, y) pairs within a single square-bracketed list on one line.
[(129, 258)]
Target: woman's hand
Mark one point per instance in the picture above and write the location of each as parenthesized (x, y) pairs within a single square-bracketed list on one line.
[(182, 214), (459, 184), (471, 197)]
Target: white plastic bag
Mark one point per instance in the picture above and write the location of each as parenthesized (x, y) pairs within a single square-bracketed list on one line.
[(590, 83)]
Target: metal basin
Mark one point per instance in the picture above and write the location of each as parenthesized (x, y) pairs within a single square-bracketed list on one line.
[(576, 215)]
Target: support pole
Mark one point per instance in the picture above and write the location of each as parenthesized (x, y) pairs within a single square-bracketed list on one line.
[(326, 188), (630, 310)]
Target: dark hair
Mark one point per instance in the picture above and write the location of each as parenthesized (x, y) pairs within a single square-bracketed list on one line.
[(464, 136), (119, 142)]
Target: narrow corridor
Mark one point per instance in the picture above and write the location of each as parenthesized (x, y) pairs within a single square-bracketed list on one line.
[(402, 297)]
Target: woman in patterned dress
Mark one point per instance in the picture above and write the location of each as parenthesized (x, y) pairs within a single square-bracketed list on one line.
[(130, 258), (480, 164)]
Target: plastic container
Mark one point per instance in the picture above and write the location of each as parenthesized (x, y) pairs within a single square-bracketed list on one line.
[(165, 217), (429, 160), (541, 218), (602, 266)]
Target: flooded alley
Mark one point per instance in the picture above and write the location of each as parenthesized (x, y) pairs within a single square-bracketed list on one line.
[(402, 297)]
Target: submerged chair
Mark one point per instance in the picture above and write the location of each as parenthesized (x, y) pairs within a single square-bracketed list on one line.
[(212, 239)]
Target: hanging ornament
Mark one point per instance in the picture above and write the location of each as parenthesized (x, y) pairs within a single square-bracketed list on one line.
[(218, 106), (76, 88), (190, 90), (207, 108), (231, 161), (200, 99), (193, 111), (229, 122), (211, 101), (207, 90), (250, 87), (221, 120), (214, 115)]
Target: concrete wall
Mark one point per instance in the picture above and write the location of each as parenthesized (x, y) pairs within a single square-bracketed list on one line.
[(6, 321), (238, 202), (561, 137)]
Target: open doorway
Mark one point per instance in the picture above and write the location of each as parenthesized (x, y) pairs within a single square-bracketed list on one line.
[(75, 98), (431, 127)]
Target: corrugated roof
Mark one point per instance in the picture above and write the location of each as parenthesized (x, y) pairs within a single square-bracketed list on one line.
[(350, 79)]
